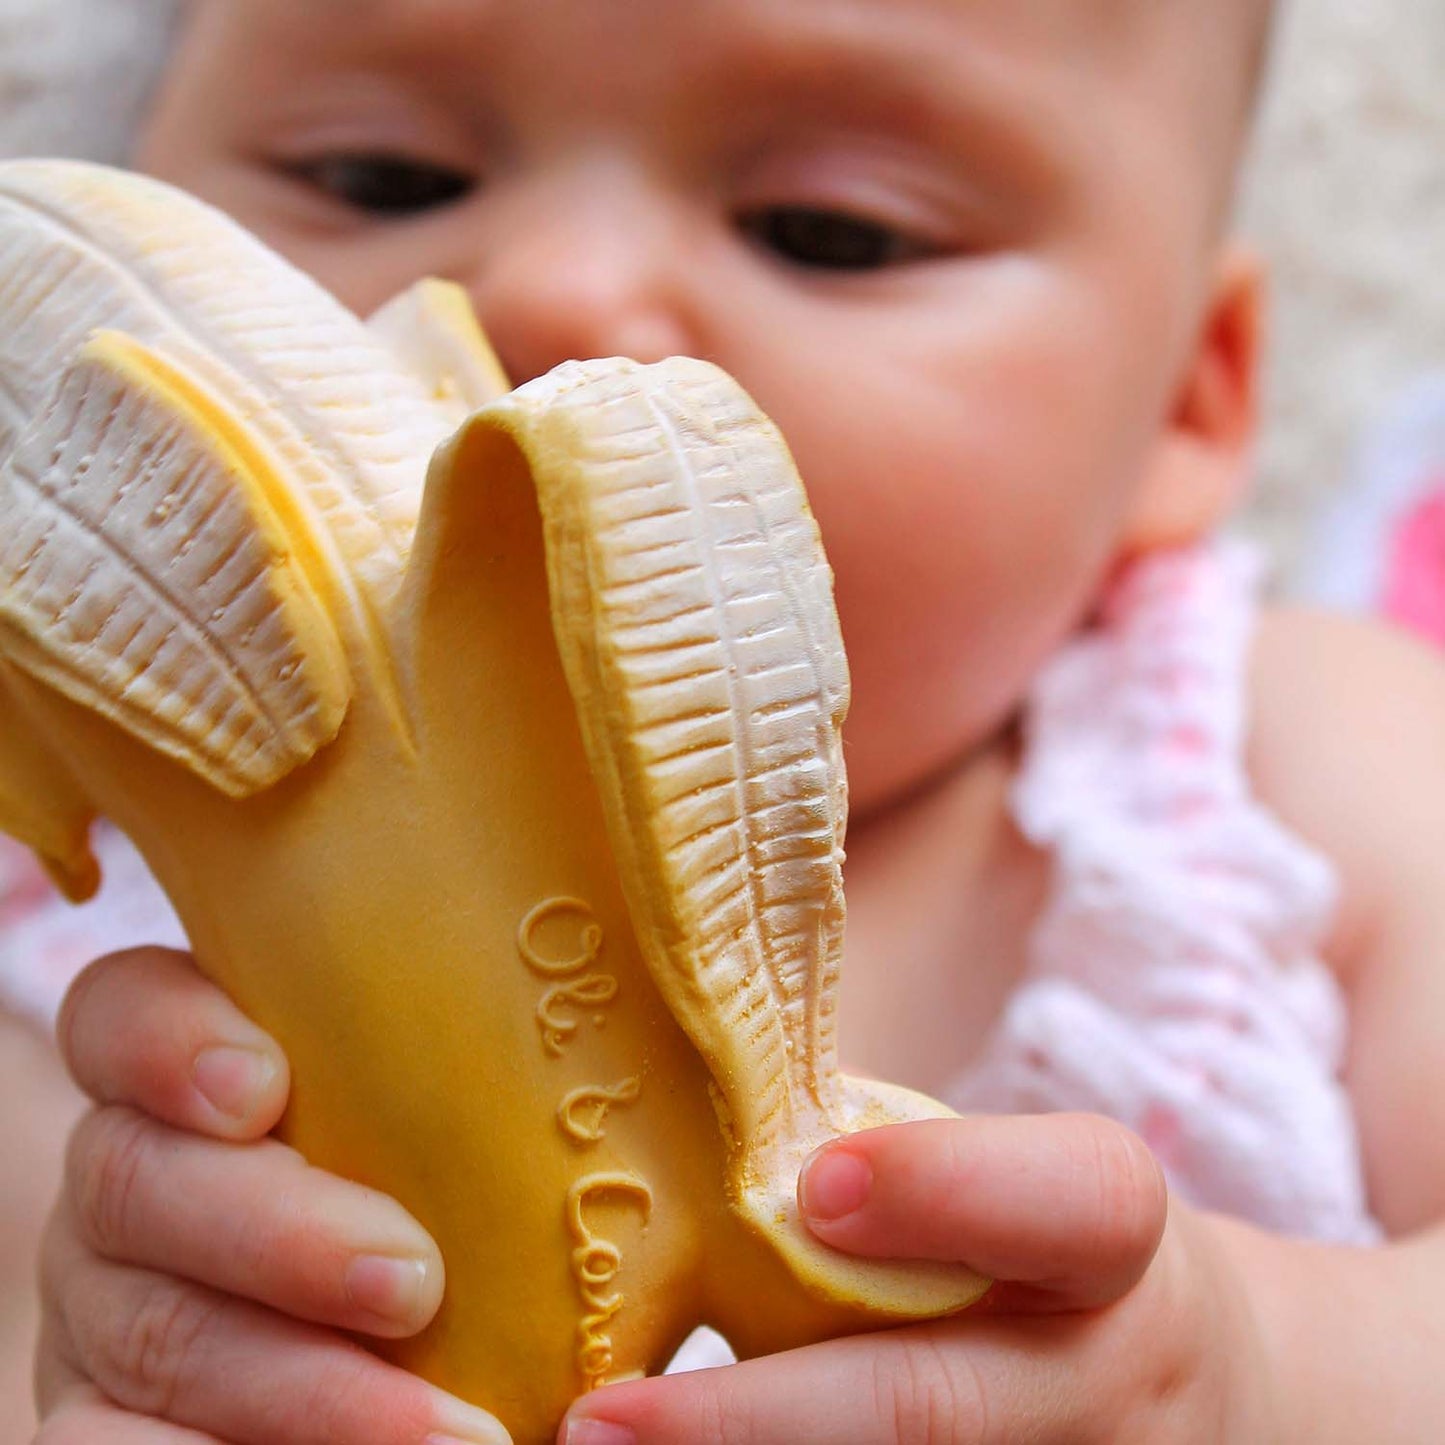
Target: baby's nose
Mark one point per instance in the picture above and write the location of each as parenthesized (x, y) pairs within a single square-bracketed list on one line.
[(590, 271)]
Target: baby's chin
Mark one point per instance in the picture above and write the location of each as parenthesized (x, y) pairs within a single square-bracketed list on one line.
[(902, 754)]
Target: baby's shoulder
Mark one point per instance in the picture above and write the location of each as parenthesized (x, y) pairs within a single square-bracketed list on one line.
[(1359, 670), (1347, 746)]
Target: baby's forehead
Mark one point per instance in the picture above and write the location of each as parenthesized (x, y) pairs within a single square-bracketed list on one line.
[(1048, 24), (1123, 38), (1182, 67)]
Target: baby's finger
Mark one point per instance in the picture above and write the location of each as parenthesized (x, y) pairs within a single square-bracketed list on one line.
[(74, 1412), (88, 1418), (1065, 1210), (196, 1358), (253, 1220), (888, 1389), (144, 1028)]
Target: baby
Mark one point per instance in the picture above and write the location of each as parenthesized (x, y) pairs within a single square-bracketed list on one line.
[(1118, 845)]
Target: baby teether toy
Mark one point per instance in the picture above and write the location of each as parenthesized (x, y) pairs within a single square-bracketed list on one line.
[(487, 744)]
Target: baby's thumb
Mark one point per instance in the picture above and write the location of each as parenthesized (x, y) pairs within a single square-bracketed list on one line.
[(1064, 1211)]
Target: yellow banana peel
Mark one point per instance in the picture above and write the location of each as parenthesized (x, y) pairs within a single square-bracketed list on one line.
[(487, 743)]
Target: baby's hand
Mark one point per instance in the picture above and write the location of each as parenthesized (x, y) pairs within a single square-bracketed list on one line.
[(193, 1266), (1114, 1316)]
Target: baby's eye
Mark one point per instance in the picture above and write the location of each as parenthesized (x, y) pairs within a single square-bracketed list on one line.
[(385, 185), (830, 240)]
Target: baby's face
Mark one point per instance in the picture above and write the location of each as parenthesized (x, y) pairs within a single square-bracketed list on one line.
[(958, 249)]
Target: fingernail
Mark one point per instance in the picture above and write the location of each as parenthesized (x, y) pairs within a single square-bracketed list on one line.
[(233, 1080), (466, 1425), (583, 1431), (390, 1288), (834, 1182)]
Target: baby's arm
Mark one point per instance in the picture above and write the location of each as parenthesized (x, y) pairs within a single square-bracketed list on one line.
[(193, 1265), (1349, 747)]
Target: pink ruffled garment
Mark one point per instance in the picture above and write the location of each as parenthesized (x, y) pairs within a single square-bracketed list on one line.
[(1175, 980), (45, 942)]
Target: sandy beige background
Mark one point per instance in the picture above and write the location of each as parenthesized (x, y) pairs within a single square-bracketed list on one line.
[(1347, 198)]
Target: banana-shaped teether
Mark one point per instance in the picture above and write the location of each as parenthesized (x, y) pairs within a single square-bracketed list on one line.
[(487, 744)]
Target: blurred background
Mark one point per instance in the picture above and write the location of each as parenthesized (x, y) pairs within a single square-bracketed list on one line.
[(1345, 198)]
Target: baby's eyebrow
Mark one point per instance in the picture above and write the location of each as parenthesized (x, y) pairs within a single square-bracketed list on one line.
[(913, 62), (398, 20)]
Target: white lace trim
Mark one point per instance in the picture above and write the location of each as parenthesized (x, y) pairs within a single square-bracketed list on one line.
[(1175, 980)]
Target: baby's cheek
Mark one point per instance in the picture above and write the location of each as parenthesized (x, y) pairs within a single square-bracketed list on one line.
[(961, 563), (931, 683)]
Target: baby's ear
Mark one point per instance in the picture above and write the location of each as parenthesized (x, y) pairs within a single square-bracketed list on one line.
[(1204, 457)]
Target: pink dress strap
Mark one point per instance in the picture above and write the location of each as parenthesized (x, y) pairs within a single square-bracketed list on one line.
[(1175, 979)]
